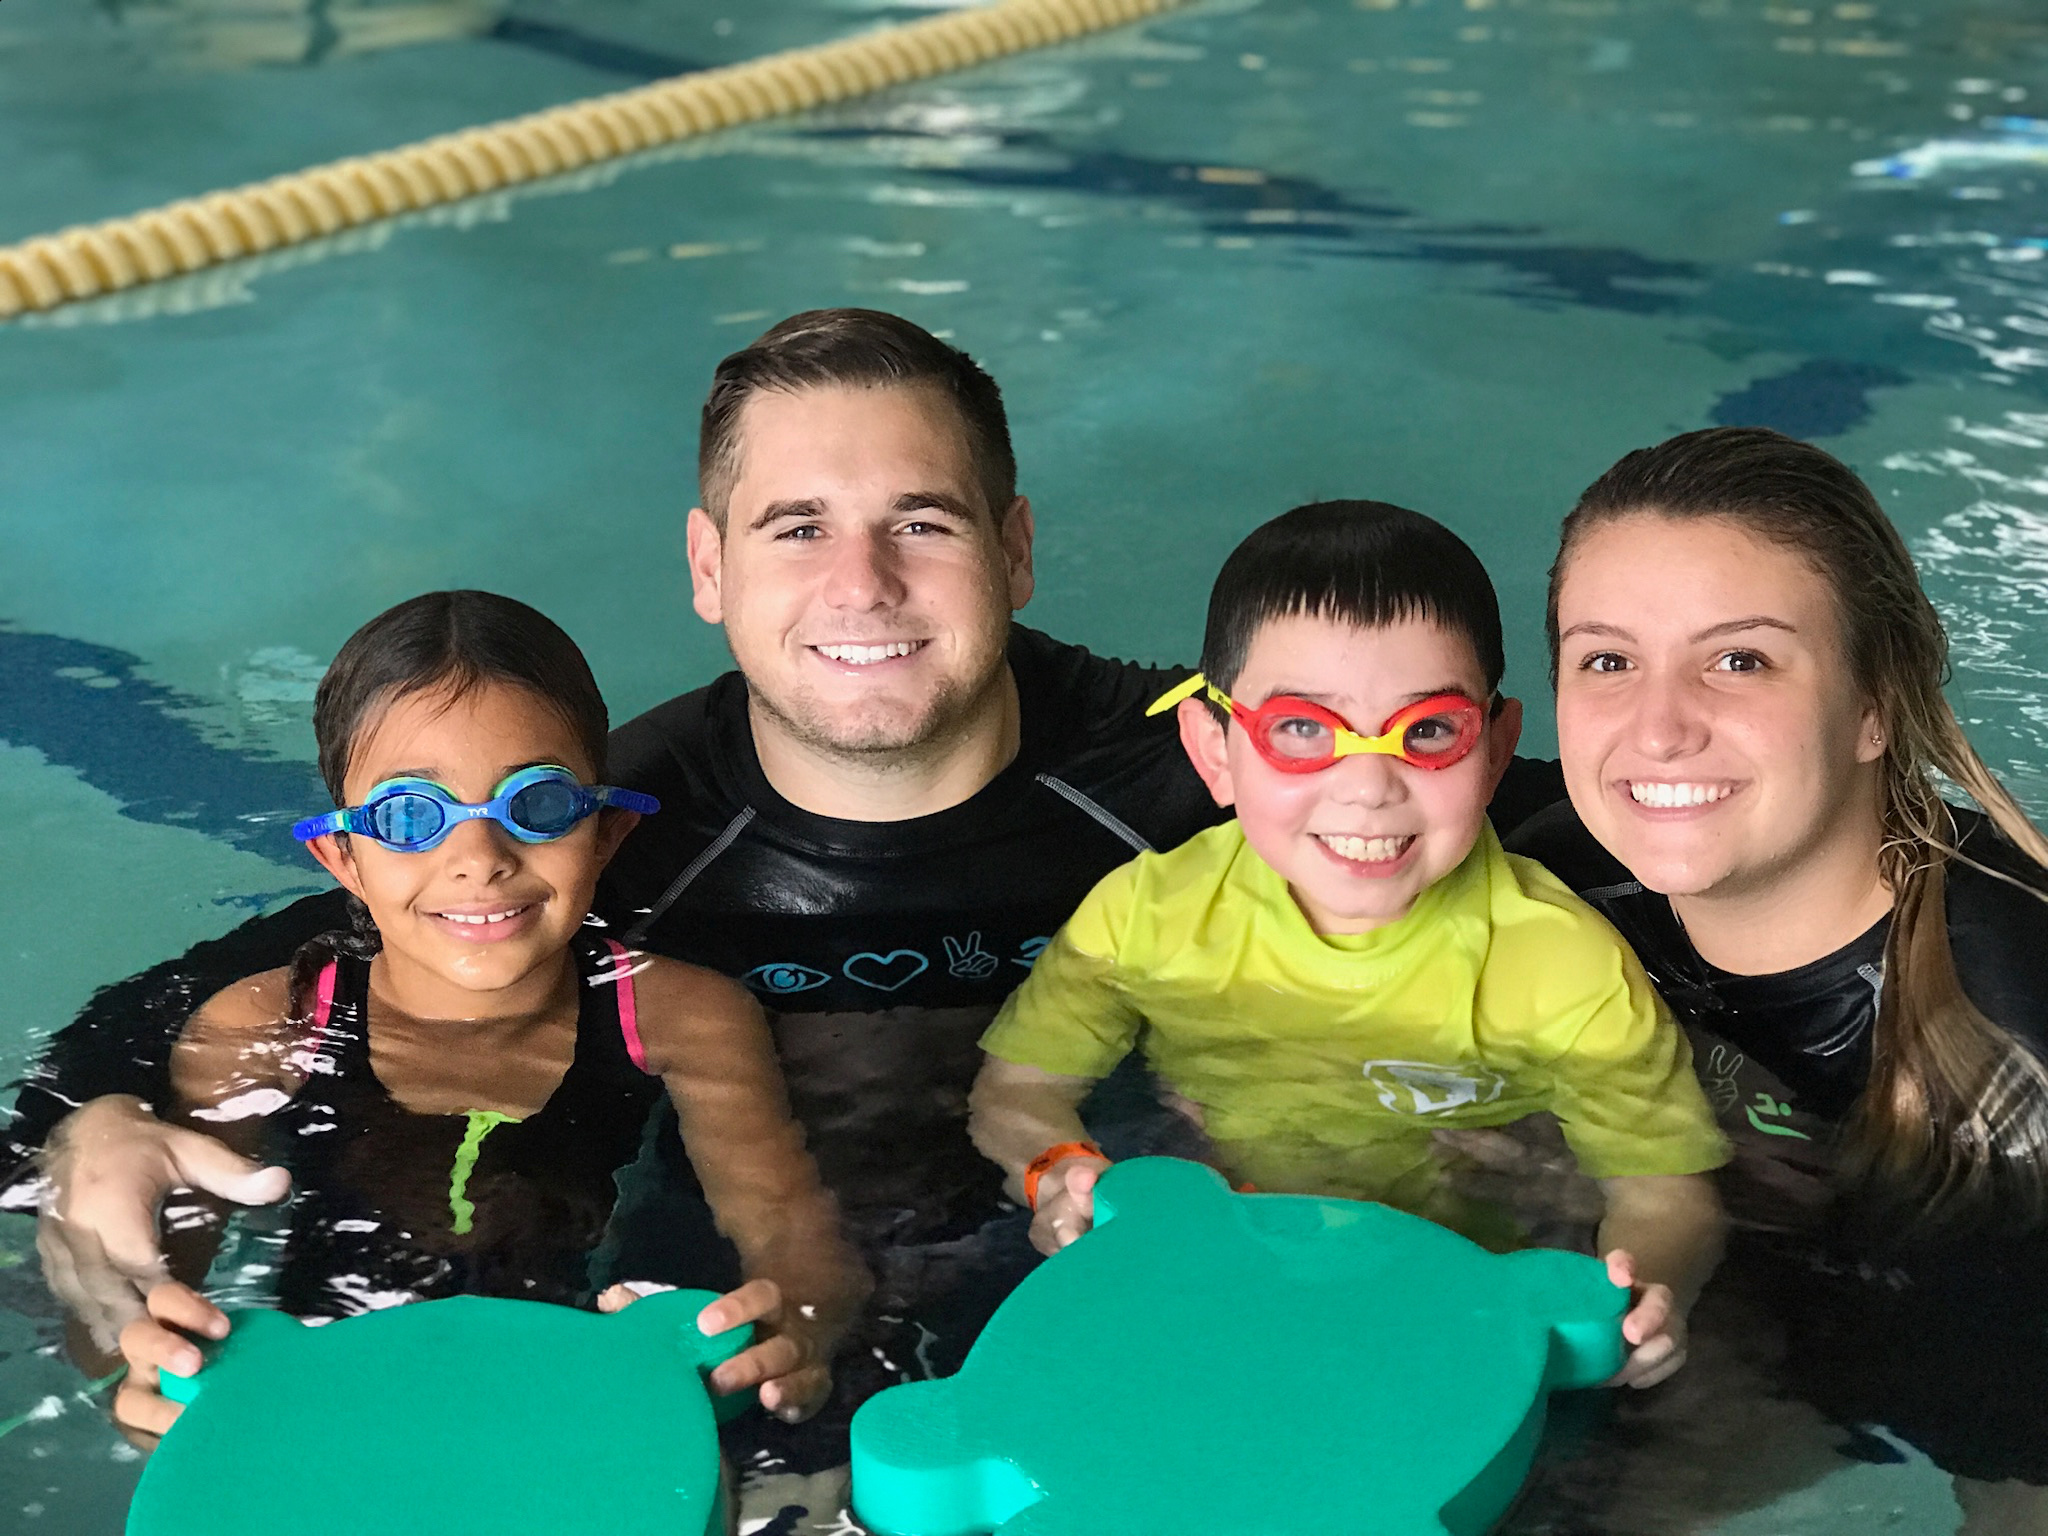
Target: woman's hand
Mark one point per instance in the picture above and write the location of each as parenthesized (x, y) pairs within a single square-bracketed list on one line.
[(157, 1342), (1066, 1202), (108, 1167), (789, 1360), (1654, 1327)]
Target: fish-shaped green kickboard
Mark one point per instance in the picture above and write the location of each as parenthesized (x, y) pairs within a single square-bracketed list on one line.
[(1243, 1365), (472, 1416)]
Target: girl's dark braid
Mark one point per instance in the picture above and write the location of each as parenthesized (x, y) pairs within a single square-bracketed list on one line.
[(359, 941)]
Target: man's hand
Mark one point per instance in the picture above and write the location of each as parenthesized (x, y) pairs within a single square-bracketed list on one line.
[(108, 1167), (789, 1359), (1066, 1202), (1654, 1328), (155, 1342)]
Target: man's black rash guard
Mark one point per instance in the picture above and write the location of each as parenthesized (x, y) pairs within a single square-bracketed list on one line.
[(880, 949)]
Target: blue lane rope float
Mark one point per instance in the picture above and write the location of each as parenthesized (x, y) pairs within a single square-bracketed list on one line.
[(91, 261)]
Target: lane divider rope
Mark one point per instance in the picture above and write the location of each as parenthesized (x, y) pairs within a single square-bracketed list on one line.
[(92, 260)]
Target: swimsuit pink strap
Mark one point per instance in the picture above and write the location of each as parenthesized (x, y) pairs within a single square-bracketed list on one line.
[(323, 1001), (629, 1008)]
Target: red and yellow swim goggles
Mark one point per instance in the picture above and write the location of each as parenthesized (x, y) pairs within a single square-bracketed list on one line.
[(1297, 736)]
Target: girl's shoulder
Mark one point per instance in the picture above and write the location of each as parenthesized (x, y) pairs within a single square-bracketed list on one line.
[(259, 1002), (242, 1037)]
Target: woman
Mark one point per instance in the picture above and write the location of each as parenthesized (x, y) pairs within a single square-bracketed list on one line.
[(1752, 727)]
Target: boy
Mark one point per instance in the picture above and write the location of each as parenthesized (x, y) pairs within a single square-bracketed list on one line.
[(1354, 962)]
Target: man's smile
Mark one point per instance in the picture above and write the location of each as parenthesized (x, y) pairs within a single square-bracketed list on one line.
[(853, 654)]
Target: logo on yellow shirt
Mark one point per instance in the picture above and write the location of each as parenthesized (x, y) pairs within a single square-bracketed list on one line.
[(1423, 1088)]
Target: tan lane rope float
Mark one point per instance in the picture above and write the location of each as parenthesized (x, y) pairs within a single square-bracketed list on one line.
[(92, 260)]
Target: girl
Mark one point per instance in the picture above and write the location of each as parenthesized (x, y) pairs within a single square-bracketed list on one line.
[(1753, 733), (456, 1082)]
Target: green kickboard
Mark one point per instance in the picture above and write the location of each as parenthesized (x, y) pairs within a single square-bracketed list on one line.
[(472, 1416), (1212, 1364)]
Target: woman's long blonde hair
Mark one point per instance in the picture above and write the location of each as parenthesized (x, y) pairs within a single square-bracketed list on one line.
[(1954, 1118)]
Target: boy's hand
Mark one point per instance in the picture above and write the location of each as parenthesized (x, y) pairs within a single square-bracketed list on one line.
[(1654, 1327), (1066, 1202), (153, 1343), (789, 1360)]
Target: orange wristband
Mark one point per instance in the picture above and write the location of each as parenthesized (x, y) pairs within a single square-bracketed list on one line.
[(1042, 1164)]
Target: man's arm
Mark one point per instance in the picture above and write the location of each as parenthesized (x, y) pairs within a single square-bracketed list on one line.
[(87, 1148), (121, 1042)]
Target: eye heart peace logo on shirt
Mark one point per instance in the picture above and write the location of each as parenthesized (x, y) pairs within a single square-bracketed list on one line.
[(885, 973)]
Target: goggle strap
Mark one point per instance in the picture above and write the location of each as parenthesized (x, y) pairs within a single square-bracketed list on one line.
[(626, 799), (1185, 689), (320, 826)]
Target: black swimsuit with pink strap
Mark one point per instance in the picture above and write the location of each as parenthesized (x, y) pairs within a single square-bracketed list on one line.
[(393, 1206)]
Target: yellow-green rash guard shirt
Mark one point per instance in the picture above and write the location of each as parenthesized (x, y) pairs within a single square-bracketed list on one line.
[(1324, 1063)]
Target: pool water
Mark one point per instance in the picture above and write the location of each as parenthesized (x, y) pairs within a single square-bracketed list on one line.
[(1458, 254)]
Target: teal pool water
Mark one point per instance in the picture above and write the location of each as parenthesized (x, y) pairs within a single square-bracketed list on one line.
[(1454, 253)]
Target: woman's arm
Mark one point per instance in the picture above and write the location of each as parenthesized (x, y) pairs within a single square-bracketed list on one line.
[(706, 1038)]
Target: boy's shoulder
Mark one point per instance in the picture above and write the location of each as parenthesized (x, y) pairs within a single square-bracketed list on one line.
[(1162, 899), (1188, 872), (1542, 926)]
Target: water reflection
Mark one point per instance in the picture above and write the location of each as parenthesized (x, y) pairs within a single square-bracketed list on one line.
[(243, 34)]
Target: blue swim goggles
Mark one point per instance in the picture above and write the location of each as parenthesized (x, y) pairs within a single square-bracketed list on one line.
[(535, 805)]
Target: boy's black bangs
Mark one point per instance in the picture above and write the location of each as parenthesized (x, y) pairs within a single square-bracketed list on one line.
[(1366, 564)]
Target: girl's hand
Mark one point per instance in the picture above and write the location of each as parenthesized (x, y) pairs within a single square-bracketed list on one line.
[(153, 1343), (1066, 1202), (789, 1360), (1654, 1328)]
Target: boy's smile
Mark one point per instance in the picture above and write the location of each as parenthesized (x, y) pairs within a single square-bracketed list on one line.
[(1357, 842)]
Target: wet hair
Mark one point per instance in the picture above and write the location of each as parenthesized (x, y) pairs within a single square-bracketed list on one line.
[(1954, 1118), (1362, 563), (452, 643), (852, 349)]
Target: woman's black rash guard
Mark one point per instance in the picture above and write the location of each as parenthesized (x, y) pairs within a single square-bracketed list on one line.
[(1784, 1056), (1938, 1338), (880, 949)]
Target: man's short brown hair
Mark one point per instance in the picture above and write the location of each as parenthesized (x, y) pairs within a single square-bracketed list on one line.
[(861, 349)]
